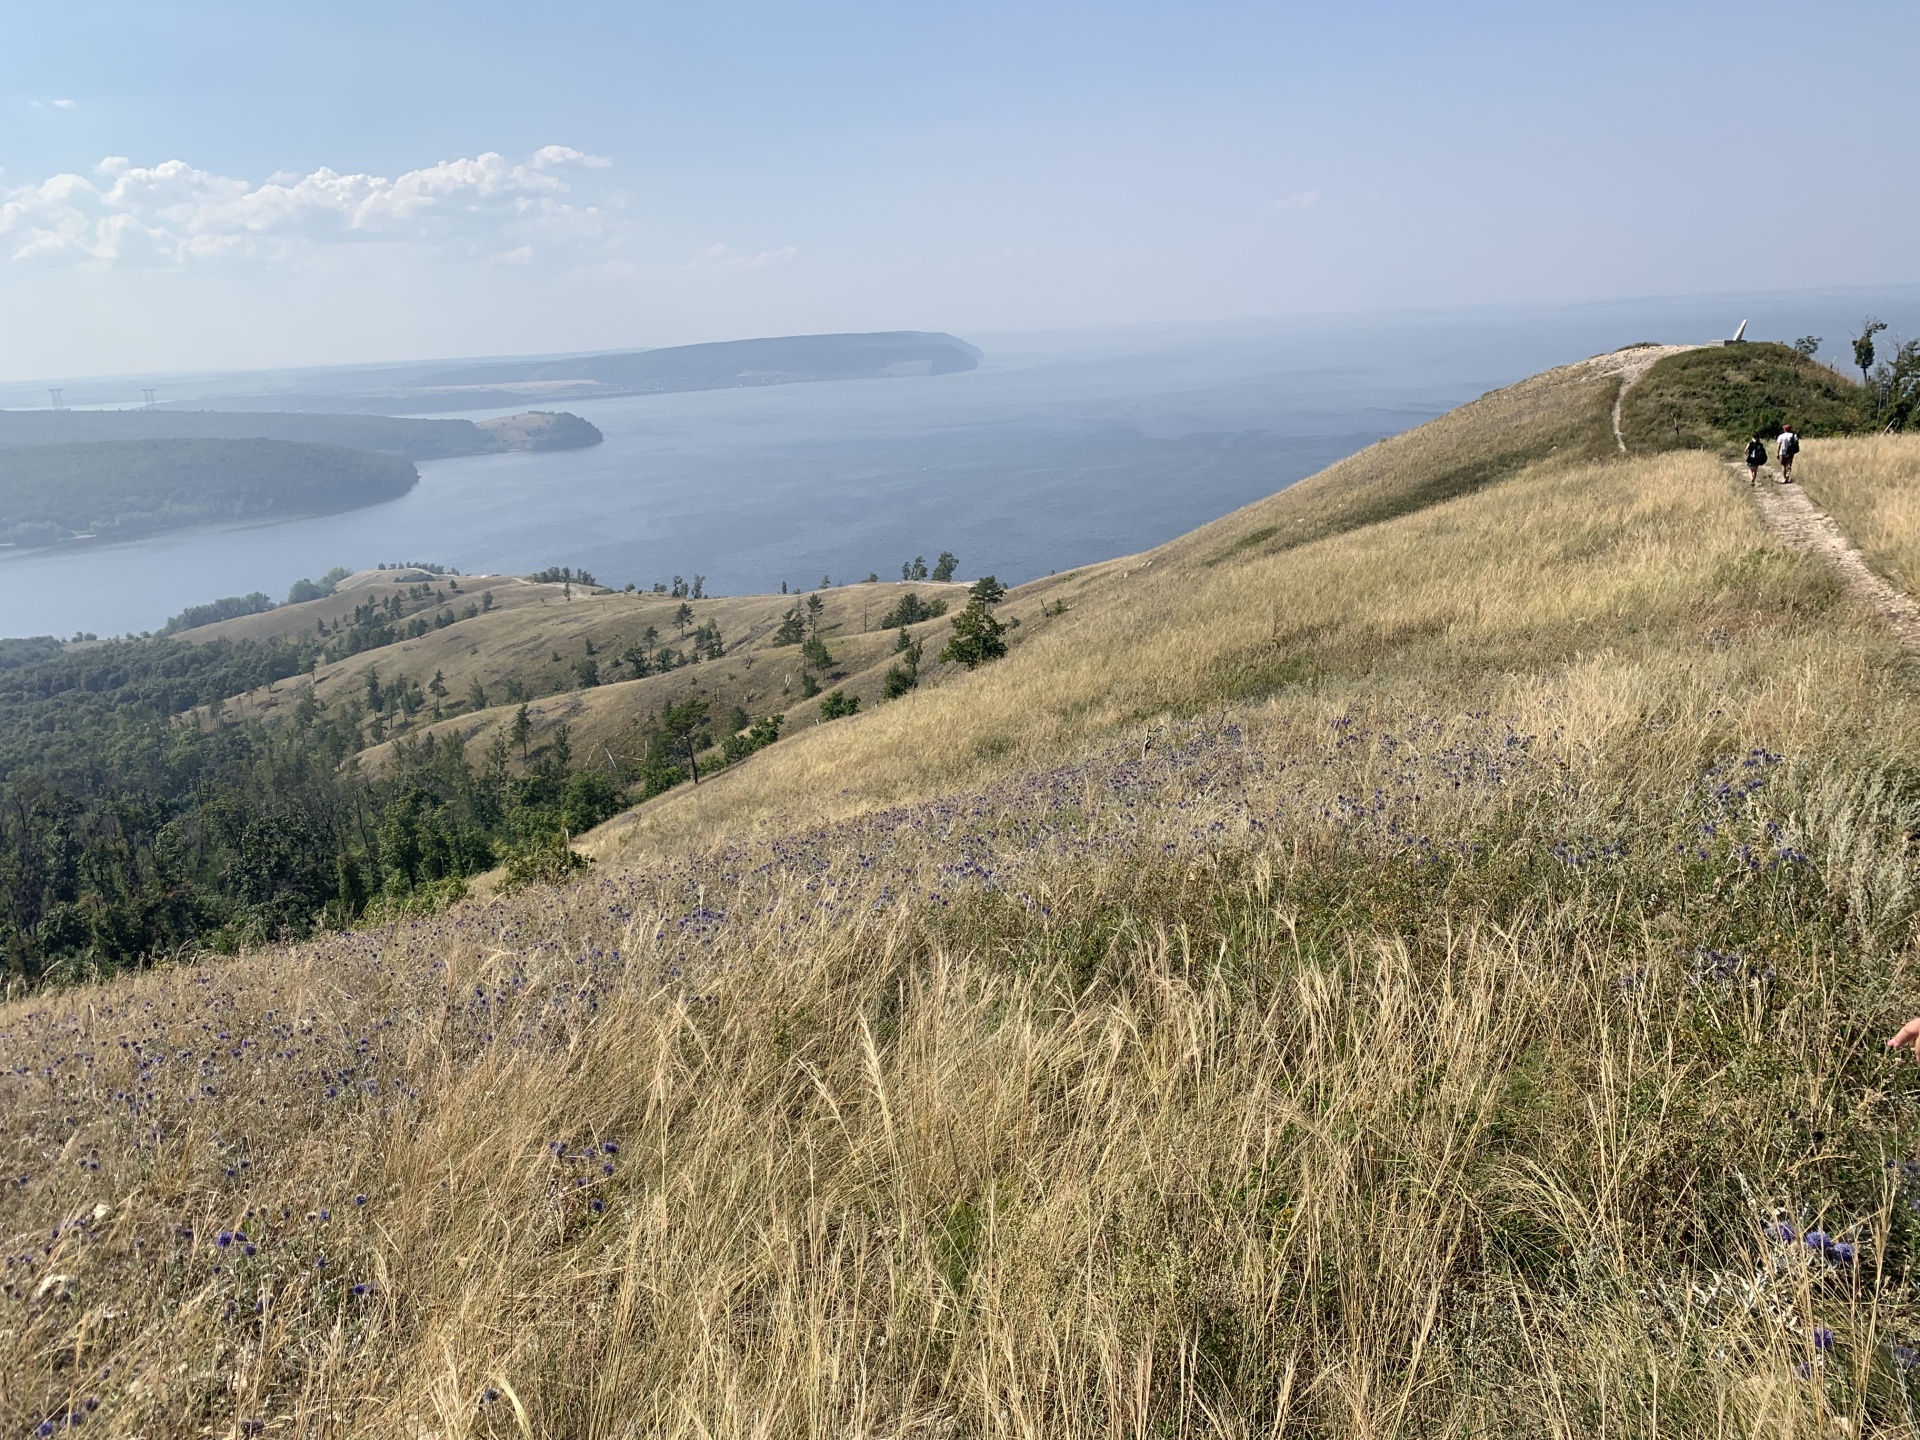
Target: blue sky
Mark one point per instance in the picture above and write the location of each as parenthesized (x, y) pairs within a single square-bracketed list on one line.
[(221, 185)]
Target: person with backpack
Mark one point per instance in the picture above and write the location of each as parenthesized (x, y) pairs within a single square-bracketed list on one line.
[(1756, 457), (1786, 448)]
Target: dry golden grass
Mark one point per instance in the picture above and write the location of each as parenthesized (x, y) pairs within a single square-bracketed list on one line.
[(1871, 486), (1577, 596), (518, 642), (1393, 986), (509, 591)]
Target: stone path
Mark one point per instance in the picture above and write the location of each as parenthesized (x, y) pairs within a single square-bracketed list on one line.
[(1801, 525)]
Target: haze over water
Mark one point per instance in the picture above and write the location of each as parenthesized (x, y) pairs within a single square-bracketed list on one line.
[(1060, 450)]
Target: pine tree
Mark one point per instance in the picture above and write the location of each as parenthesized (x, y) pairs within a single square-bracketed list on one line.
[(944, 567), (522, 730), (977, 636), (987, 590), (683, 725)]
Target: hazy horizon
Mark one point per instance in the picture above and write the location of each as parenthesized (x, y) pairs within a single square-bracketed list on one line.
[(1063, 448), (220, 187)]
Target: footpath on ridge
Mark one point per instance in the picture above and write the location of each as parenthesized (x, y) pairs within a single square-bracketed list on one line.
[(1801, 525), (1795, 520)]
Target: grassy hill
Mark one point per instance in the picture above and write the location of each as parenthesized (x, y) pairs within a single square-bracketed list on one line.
[(1715, 396), (1408, 959)]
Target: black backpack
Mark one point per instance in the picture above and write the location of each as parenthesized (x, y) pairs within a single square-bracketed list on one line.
[(1789, 445)]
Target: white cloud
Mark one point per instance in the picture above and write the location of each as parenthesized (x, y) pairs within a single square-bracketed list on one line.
[(1299, 200), (65, 105), (718, 257), (174, 215)]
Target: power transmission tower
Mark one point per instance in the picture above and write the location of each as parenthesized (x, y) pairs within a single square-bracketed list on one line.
[(148, 392), (54, 395)]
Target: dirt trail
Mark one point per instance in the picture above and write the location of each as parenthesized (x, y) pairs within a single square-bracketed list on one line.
[(1630, 365), (1801, 525), (1795, 520)]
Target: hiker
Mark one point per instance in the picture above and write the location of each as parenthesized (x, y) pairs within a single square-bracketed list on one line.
[(1756, 457), (1786, 448)]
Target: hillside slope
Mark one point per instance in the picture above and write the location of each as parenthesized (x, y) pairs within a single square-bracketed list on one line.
[(1205, 622), (1425, 979)]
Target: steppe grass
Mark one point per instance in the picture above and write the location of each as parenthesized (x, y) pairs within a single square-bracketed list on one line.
[(1870, 484), (1573, 595), (1425, 982), (1339, 1074), (1561, 414)]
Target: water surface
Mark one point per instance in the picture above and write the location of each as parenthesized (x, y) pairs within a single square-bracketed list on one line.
[(1059, 450)]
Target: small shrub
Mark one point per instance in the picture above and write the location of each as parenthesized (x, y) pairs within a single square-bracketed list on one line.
[(427, 898), (549, 860), (838, 704)]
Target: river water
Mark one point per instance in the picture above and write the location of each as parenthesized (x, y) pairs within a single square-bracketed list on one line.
[(1059, 450)]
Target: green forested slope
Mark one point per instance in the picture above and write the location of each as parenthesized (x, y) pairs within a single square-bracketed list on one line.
[(116, 489)]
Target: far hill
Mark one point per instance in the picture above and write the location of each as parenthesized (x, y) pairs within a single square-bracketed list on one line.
[(778, 360), (411, 439)]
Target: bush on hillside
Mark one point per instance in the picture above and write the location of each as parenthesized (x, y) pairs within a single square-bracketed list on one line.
[(549, 860), (1714, 398), (977, 637), (839, 705), (910, 609)]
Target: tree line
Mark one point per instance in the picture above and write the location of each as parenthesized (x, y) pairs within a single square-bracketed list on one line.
[(126, 832)]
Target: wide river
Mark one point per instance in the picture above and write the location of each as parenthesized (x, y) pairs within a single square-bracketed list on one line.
[(1059, 450)]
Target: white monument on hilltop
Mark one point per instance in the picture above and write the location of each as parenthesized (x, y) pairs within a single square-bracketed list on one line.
[(1739, 336)]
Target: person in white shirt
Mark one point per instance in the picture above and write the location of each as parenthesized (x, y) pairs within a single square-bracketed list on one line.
[(1786, 448)]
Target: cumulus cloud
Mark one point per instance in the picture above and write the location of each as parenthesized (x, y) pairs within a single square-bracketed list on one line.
[(174, 215)]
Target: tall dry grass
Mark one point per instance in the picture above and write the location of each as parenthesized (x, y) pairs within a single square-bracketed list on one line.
[(1354, 1080), (1584, 594), (1871, 487)]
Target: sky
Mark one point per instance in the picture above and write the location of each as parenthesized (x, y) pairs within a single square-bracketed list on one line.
[(198, 186)]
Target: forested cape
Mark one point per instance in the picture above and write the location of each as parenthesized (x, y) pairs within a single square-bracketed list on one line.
[(115, 474), (411, 437), (116, 489), (135, 821)]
